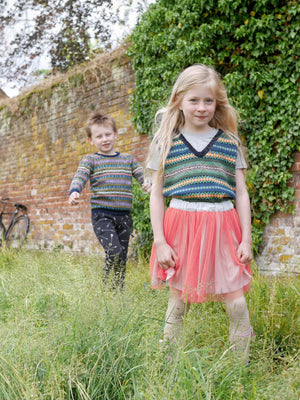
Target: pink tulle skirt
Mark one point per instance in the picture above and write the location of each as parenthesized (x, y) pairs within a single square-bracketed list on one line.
[(207, 266)]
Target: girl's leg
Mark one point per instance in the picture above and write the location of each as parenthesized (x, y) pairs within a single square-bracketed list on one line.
[(176, 311), (240, 329)]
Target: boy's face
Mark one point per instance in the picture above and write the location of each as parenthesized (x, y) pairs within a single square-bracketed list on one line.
[(103, 138)]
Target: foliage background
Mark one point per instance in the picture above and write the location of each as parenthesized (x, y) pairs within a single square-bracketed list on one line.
[(254, 45)]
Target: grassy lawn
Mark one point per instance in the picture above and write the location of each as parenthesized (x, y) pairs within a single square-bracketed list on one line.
[(63, 337)]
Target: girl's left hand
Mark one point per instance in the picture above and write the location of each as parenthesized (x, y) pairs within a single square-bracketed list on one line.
[(244, 252)]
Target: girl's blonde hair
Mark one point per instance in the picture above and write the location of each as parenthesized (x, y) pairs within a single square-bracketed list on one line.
[(172, 118)]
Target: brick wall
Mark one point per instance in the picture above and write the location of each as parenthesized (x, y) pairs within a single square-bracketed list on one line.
[(281, 252), (42, 140)]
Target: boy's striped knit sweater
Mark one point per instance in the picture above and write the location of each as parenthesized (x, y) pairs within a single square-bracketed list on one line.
[(110, 180), (208, 175)]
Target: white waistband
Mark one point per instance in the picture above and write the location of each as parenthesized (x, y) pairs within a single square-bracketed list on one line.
[(201, 205)]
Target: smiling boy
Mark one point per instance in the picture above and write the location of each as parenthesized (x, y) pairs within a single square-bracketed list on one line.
[(110, 174)]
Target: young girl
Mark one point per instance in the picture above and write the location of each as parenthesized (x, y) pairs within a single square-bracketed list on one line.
[(202, 244)]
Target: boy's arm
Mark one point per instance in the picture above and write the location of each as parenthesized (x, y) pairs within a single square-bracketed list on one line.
[(79, 181), (138, 174), (242, 205)]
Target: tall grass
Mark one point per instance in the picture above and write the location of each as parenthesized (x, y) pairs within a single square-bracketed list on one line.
[(63, 337)]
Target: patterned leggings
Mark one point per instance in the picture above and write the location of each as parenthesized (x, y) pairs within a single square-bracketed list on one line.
[(113, 233)]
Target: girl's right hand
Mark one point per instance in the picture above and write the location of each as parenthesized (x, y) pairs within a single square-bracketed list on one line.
[(166, 256)]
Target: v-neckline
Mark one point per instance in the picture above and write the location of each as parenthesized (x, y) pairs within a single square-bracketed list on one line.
[(201, 153)]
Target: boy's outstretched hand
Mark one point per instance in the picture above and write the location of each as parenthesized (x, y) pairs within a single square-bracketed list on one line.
[(147, 187), (74, 198)]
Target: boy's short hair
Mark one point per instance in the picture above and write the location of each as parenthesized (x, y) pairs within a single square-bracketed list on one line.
[(99, 119)]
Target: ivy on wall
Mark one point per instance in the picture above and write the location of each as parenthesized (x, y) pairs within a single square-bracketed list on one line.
[(254, 45)]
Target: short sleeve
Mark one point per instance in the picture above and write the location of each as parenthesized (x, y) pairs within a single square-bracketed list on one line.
[(153, 163), (240, 161)]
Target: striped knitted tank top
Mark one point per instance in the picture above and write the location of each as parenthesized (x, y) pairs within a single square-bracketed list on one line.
[(208, 175)]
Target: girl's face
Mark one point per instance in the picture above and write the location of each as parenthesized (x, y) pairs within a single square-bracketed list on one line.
[(198, 106)]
